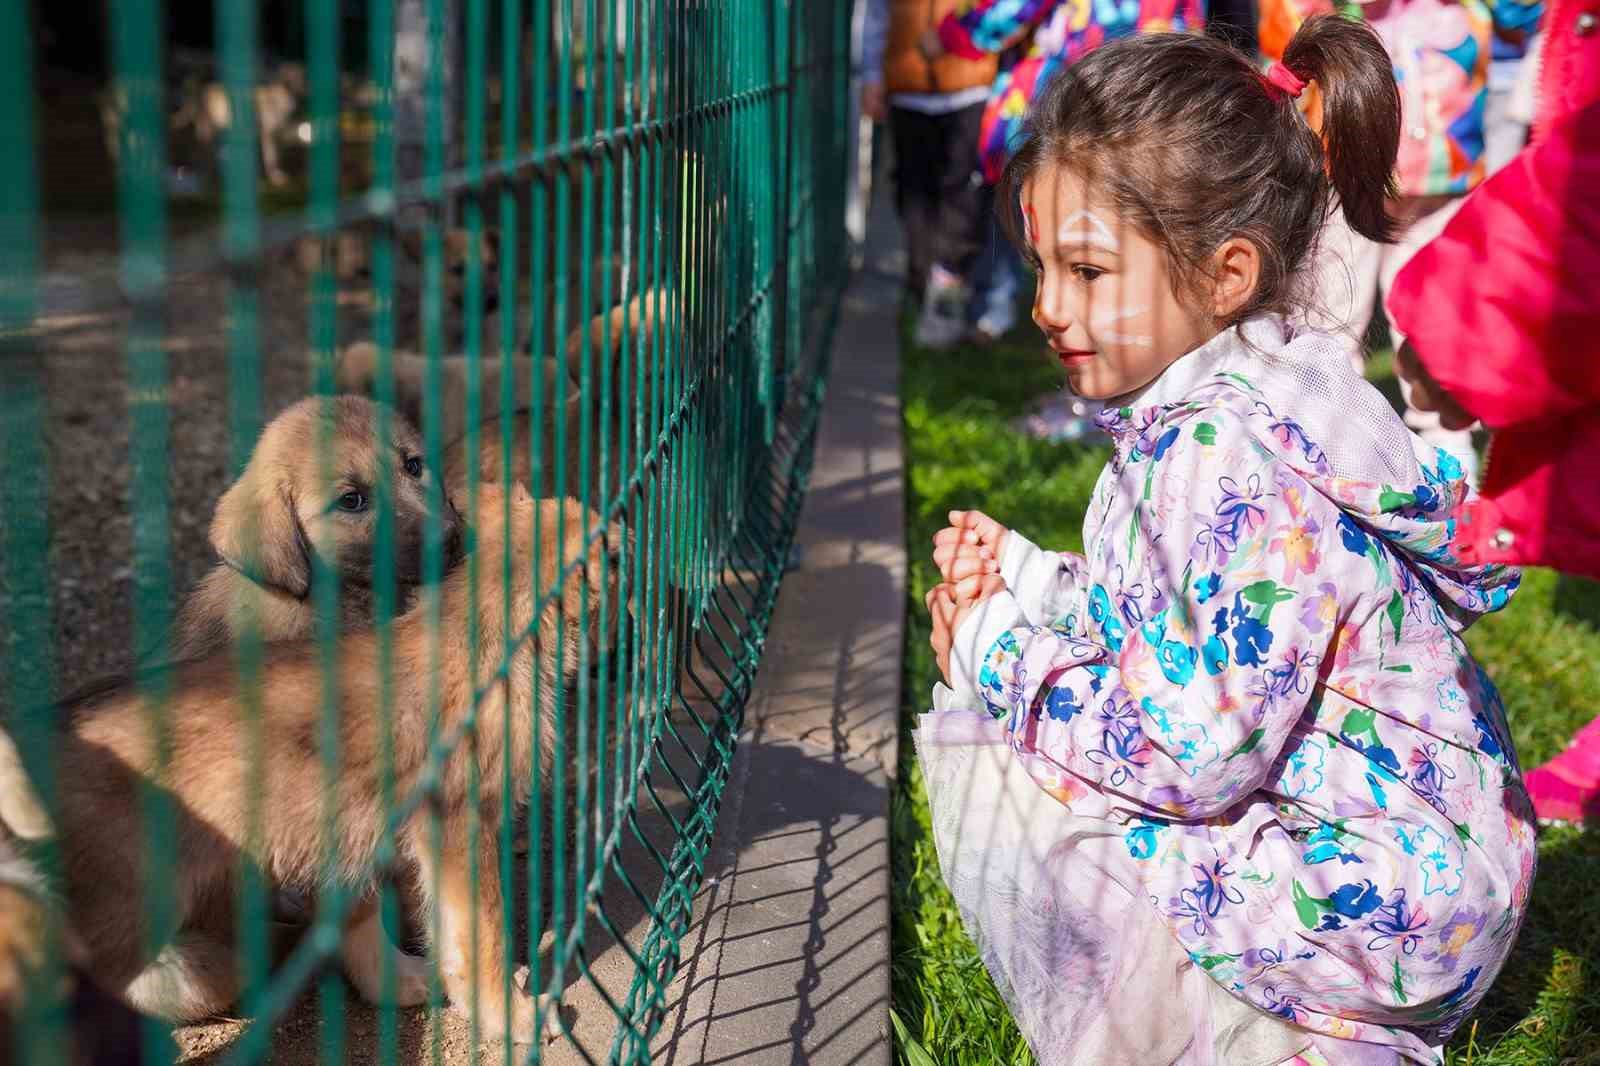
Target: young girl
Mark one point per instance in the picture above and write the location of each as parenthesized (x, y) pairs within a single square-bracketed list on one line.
[(1274, 815)]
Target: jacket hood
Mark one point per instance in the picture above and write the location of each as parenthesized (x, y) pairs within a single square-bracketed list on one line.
[(1308, 406)]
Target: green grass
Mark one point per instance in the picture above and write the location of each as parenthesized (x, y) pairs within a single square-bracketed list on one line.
[(1543, 651)]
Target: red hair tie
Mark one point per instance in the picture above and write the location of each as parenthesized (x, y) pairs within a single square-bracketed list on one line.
[(1284, 80)]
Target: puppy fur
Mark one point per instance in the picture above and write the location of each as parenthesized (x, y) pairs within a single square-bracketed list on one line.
[(281, 512), (608, 335), (101, 1030), (107, 752)]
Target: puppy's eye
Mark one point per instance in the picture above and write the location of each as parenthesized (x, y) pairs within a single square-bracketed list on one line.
[(414, 465), (352, 501)]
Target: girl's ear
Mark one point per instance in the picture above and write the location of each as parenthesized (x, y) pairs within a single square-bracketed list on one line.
[(1236, 268)]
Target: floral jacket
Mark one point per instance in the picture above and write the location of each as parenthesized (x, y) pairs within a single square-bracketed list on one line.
[(1441, 51), (1062, 31), (1257, 668)]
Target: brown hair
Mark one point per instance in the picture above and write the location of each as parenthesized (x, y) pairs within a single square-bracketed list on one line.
[(1194, 146)]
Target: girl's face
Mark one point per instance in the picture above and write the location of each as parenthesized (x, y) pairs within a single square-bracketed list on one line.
[(1104, 299)]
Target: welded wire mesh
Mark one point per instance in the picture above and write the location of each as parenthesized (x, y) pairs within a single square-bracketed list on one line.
[(591, 249)]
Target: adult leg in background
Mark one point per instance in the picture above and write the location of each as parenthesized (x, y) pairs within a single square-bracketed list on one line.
[(957, 234), (916, 189)]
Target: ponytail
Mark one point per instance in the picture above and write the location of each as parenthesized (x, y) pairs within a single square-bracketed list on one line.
[(1360, 115)]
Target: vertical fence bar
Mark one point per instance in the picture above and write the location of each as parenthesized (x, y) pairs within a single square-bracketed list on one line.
[(137, 64), (26, 653), (721, 115), (241, 245)]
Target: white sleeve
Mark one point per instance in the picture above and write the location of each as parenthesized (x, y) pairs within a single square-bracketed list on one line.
[(1043, 582), (991, 619)]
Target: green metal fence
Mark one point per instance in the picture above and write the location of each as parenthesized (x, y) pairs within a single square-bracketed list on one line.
[(687, 157)]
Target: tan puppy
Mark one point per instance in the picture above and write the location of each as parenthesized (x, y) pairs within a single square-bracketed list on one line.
[(100, 1030), (266, 528), (282, 512), (608, 334), (107, 753)]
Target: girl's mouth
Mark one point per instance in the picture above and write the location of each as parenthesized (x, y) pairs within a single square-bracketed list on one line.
[(1072, 357)]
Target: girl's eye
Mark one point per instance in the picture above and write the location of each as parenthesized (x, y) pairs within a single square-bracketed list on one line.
[(414, 466), (352, 501), (1085, 273)]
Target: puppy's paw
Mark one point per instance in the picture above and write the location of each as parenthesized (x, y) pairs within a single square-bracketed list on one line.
[(411, 976), (525, 1010)]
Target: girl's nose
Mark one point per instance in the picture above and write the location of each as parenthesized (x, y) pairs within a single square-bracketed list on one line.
[(1049, 310)]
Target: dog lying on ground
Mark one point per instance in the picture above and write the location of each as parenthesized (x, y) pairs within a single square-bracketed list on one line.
[(100, 1030), (107, 755), (280, 513)]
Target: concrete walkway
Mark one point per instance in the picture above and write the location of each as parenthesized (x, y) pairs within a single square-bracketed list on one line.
[(788, 959)]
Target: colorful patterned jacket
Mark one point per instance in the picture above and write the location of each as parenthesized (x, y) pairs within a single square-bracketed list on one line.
[(1062, 31), (1257, 668), (1441, 51)]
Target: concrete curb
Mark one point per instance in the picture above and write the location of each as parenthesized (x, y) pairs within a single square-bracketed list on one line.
[(788, 959)]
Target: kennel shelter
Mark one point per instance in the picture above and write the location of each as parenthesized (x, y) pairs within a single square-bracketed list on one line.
[(205, 207)]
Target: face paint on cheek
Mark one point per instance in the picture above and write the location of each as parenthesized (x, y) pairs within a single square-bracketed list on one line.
[(1140, 340), (1117, 316), (1102, 323)]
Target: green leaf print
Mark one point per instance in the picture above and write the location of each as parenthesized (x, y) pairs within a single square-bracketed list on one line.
[(1389, 500), (1304, 906), (1248, 746), (1398, 984), (1211, 962), (1206, 433), (1266, 595), (1396, 613)]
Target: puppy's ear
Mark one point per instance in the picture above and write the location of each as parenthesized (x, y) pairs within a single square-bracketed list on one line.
[(258, 533), (22, 813)]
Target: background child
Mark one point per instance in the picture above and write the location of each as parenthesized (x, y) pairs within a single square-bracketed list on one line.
[(1249, 697), (934, 108), (1441, 54)]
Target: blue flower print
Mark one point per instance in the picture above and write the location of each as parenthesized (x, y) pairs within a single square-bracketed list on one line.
[(1207, 587), (1100, 613), (1440, 857), (1061, 704), (1177, 659), (1329, 843), (1450, 698), (1447, 467), (1123, 751), (1302, 772), (1167, 440), (1142, 838), (1356, 900), (1210, 894), (1187, 742), (1252, 638), (1429, 775), (1286, 1007), (1354, 537), (1242, 504), (1488, 737), (1463, 988), (1397, 923), (1216, 655), (1130, 599)]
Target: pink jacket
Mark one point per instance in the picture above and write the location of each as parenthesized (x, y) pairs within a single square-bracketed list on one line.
[(1503, 309)]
